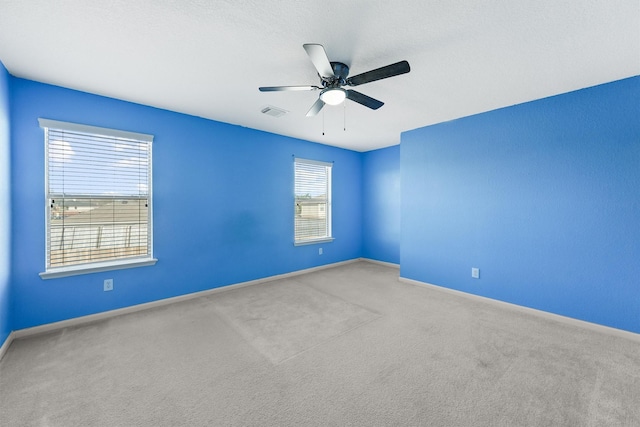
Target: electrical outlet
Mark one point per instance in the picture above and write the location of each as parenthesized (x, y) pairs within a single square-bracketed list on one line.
[(108, 285), (320, 251), (475, 272)]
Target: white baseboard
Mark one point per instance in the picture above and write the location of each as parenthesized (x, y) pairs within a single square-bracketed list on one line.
[(386, 264), (6, 344), (540, 313), (49, 327)]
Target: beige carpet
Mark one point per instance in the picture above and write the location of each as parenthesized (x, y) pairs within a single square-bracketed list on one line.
[(281, 320), (348, 346)]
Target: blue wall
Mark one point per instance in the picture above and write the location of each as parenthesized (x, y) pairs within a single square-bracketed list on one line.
[(543, 197), (5, 202), (223, 205), (381, 204)]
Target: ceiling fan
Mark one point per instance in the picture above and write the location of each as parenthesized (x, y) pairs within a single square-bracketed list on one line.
[(333, 76)]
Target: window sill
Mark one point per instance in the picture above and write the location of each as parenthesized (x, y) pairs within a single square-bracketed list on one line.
[(313, 241), (96, 268)]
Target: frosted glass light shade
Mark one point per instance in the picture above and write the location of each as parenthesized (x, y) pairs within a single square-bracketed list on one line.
[(333, 96)]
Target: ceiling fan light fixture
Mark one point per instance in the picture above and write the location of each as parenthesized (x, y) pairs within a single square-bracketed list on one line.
[(333, 95)]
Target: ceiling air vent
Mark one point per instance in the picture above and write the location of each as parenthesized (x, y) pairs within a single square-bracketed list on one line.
[(274, 111)]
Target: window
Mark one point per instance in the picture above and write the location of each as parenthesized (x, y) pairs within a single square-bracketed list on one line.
[(312, 201), (98, 191)]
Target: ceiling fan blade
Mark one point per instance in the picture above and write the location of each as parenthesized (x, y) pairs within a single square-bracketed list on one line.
[(396, 69), (363, 99), (286, 88), (315, 108), (319, 58)]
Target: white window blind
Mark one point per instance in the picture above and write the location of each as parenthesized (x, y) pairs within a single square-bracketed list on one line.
[(98, 189), (312, 201)]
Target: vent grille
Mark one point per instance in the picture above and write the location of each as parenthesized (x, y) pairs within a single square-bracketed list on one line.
[(273, 111)]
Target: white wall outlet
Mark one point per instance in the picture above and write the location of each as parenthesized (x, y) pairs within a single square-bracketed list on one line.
[(108, 285), (475, 272), (320, 251)]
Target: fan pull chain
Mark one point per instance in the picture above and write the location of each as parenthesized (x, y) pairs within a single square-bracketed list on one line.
[(322, 122), (344, 117)]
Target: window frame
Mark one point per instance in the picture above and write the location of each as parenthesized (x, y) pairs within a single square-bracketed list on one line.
[(110, 264), (329, 211)]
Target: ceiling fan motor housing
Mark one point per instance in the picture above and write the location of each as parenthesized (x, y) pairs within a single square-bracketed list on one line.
[(340, 71)]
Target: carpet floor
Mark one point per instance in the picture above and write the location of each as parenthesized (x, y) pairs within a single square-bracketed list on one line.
[(345, 346)]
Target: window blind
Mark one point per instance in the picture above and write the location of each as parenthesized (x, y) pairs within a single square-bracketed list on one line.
[(98, 187), (312, 200)]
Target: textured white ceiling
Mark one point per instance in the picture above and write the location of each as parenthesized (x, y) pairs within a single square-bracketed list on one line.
[(208, 57)]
